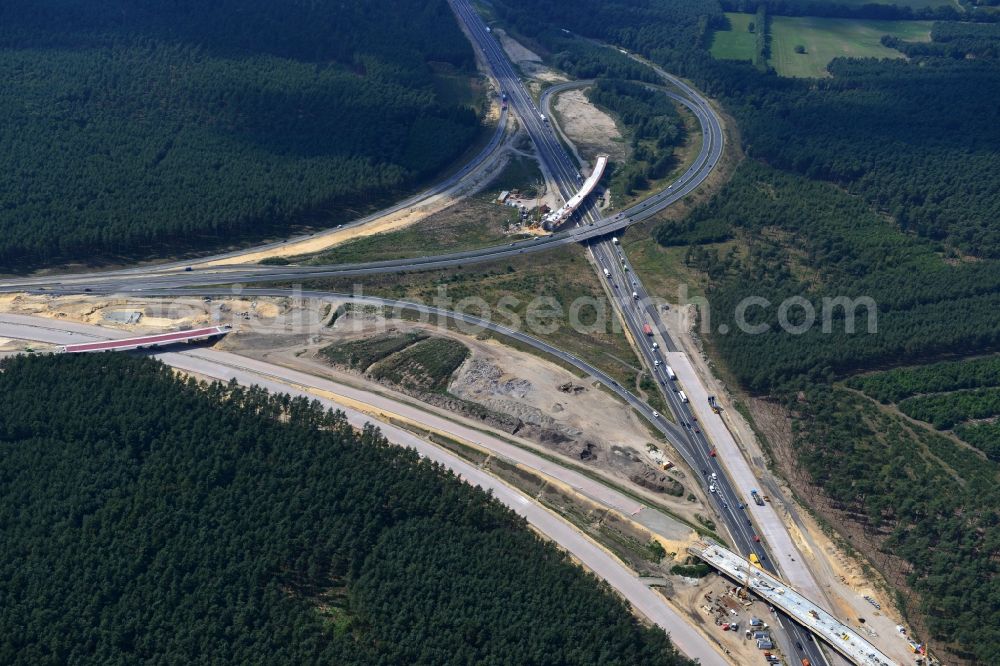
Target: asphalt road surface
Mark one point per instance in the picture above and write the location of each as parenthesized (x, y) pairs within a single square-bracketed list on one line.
[(691, 444), (224, 367), (630, 295)]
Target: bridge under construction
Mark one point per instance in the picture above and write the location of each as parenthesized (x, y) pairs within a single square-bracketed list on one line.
[(777, 593)]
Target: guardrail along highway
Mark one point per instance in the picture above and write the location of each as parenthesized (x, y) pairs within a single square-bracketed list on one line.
[(627, 291), (837, 634)]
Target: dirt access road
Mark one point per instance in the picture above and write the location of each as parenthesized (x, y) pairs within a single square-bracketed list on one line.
[(225, 367)]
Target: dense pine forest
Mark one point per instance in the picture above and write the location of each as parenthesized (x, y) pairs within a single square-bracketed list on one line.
[(654, 129), (879, 181), (131, 128), (151, 519)]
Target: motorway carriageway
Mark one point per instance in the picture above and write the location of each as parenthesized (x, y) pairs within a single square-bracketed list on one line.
[(550, 151), (147, 341), (224, 366), (173, 275), (837, 634), (636, 311)]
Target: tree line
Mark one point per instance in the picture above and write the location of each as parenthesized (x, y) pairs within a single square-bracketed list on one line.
[(878, 181), (913, 495), (872, 10), (899, 383), (809, 240), (148, 518), (653, 126), (135, 128)]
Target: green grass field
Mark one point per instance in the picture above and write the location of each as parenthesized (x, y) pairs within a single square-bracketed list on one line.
[(738, 42), (915, 4), (825, 39)]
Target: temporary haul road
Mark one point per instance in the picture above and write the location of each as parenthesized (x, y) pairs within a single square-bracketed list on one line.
[(627, 291), (175, 275), (225, 367), (179, 278)]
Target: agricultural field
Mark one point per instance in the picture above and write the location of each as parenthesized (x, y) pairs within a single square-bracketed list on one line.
[(912, 4), (827, 38), (738, 42), (962, 396)]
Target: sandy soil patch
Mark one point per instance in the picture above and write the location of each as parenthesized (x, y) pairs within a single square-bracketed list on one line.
[(529, 61), (391, 222), (553, 408), (842, 576), (277, 316), (590, 129)]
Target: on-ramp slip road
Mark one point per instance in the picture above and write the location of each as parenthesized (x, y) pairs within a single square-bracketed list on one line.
[(550, 150), (693, 446), (225, 366), (627, 290)]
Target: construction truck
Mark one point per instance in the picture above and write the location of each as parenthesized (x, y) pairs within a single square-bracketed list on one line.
[(756, 498), (713, 404)]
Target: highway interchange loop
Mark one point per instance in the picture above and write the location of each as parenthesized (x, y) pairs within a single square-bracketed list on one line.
[(188, 278)]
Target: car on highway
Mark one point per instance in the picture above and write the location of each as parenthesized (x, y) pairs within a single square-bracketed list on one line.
[(711, 488), (712, 453), (656, 415)]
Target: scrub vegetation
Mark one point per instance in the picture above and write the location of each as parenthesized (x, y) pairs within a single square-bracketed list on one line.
[(877, 180), (149, 518)]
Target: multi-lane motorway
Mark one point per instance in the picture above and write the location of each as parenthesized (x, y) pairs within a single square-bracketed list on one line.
[(591, 228), (628, 292), (224, 366), (550, 151)]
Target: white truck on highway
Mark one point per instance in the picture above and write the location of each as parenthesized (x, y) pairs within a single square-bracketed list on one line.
[(683, 397), (635, 295), (614, 239), (671, 374), (607, 273)]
